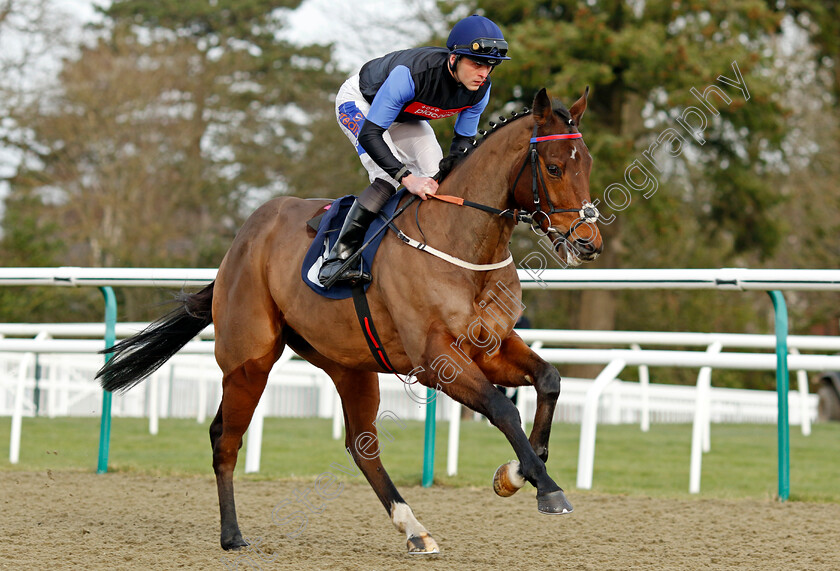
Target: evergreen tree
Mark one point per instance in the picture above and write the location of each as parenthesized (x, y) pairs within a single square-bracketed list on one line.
[(695, 205)]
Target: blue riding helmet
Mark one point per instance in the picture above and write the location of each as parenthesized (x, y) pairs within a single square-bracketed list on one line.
[(478, 38)]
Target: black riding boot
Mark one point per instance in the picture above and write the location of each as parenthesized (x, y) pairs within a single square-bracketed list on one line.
[(349, 240)]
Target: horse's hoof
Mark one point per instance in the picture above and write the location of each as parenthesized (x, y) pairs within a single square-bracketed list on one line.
[(234, 543), (422, 545), (508, 480), (554, 503)]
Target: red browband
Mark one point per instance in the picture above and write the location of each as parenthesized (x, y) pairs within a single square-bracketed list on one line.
[(555, 137)]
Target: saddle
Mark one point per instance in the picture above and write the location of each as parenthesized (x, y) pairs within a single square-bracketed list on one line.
[(327, 225)]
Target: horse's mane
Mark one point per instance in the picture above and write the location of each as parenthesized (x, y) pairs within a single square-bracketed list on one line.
[(451, 161)]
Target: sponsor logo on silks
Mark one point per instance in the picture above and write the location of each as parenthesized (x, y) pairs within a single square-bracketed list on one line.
[(350, 116), (430, 112), (352, 119)]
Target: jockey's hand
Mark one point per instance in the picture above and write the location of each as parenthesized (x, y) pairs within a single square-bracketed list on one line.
[(420, 185)]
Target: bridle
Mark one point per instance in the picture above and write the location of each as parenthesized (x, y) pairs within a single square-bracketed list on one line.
[(587, 213)]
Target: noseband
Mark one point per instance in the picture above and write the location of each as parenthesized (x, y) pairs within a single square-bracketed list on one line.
[(587, 213)]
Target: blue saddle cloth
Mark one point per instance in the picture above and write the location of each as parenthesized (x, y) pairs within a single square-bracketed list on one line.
[(328, 229)]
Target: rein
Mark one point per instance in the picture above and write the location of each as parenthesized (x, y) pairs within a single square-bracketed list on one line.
[(517, 215)]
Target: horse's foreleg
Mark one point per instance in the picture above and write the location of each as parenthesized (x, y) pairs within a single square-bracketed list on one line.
[(242, 389), (359, 393), (472, 388), (515, 365)]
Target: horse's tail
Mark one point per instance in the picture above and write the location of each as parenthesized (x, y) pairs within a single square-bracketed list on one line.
[(140, 355)]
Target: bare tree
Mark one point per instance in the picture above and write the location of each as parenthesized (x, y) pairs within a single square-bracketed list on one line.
[(33, 40)]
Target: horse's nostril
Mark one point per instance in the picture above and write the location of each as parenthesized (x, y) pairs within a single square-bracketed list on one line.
[(587, 248)]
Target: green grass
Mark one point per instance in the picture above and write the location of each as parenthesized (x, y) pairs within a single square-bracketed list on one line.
[(741, 464)]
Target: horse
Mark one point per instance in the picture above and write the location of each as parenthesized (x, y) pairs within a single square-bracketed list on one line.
[(443, 323)]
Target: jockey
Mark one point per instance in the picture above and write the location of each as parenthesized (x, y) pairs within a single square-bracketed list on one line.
[(385, 109)]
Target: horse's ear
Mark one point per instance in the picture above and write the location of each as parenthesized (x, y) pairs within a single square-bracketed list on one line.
[(579, 107), (542, 107)]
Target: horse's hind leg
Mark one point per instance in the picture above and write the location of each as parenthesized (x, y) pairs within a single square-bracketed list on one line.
[(359, 392), (241, 391)]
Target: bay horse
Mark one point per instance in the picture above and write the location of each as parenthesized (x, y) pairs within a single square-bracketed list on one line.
[(425, 308)]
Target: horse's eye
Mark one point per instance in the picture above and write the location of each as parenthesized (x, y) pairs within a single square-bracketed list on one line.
[(554, 170)]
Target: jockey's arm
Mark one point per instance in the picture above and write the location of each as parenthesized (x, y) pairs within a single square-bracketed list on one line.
[(371, 140), (397, 90), (461, 145)]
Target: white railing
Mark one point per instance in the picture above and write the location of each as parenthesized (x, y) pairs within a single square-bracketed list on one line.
[(726, 279), (71, 276), (580, 402), (196, 366), (79, 330), (531, 277)]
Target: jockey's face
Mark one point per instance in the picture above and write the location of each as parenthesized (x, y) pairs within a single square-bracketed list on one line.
[(469, 72)]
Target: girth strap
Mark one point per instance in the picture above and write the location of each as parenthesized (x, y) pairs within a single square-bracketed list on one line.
[(369, 331)]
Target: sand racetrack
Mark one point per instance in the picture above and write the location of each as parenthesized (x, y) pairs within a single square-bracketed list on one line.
[(69, 520)]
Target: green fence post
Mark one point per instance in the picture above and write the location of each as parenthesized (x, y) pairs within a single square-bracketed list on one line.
[(782, 384), (429, 444), (110, 338)]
